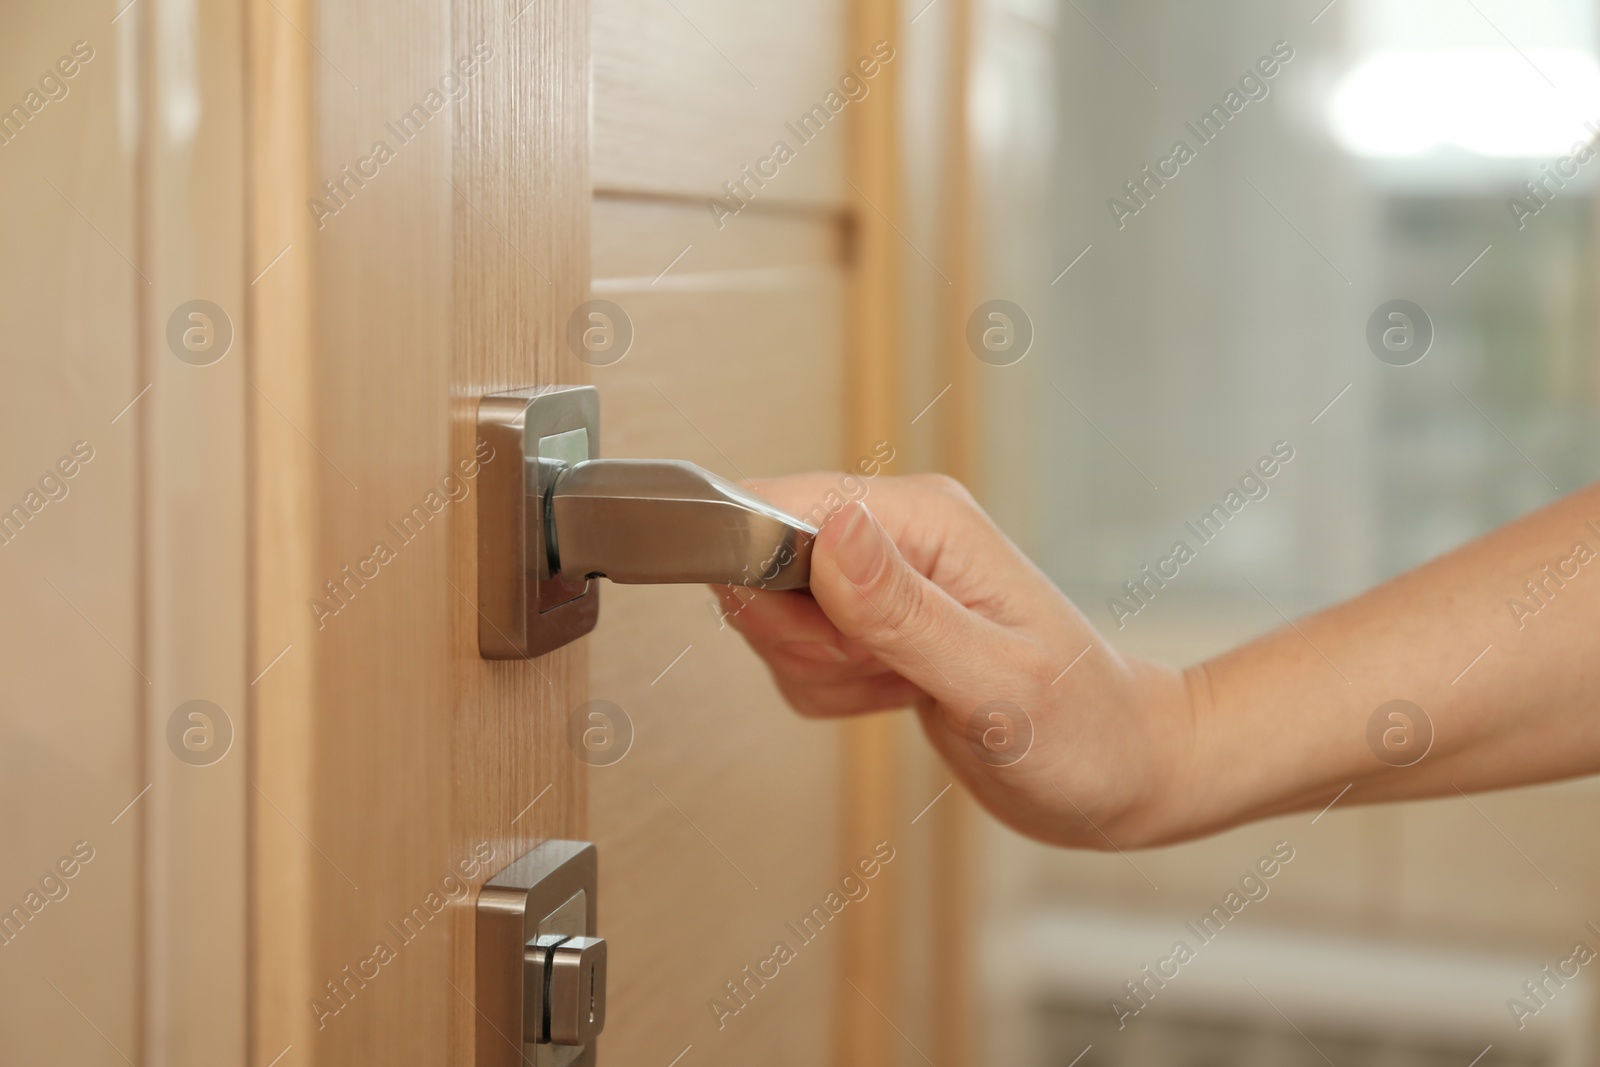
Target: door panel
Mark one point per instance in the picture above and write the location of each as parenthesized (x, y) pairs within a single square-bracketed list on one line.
[(392, 759), (721, 823), (687, 93), (291, 531), (738, 365)]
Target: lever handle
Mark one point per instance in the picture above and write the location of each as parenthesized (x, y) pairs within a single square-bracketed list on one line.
[(645, 521), (552, 516)]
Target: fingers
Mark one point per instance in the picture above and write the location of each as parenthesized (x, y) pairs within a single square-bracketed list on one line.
[(917, 598), (855, 696), (921, 584), (767, 618), (878, 600), (812, 496), (821, 673), (794, 636), (940, 531)]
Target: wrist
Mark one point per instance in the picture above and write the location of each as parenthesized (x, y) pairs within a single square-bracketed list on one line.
[(1169, 799)]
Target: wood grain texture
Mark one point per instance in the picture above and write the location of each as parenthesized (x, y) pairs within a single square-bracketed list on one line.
[(721, 823), (450, 273), (70, 744), (521, 202), (688, 92)]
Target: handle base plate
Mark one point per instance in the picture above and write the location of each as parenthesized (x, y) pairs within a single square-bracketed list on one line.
[(523, 611)]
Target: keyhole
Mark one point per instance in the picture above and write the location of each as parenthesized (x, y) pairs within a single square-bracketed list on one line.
[(591, 995)]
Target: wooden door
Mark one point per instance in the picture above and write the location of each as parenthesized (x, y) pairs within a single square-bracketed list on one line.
[(721, 824), (426, 166), (390, 208), (451, 274), (737, 264)]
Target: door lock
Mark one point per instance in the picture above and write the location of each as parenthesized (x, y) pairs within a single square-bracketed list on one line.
[(553, 517), (541, 971), (565, 983)]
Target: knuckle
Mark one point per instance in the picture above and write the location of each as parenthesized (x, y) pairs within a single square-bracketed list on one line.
[(899, 603), (943, 485), (1037, 673)]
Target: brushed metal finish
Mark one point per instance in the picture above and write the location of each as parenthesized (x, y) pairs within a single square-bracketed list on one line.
[(576, 995), (542, 901), (552, 517), (568, 921), (644, 521), (523, 609)]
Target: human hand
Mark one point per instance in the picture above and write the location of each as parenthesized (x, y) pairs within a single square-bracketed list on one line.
[(921, 601)]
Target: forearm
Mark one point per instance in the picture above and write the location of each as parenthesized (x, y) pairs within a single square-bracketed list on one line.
[(1069, 741), (1281, 724)]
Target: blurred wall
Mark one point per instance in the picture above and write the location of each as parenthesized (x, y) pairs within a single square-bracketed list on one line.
[(1227, 314)]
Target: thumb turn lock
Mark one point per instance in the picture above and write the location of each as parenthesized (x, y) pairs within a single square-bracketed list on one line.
[(540, 966), (553, 517)]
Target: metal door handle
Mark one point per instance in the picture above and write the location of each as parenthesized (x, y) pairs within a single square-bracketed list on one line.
[(552, 517), (647, 521)]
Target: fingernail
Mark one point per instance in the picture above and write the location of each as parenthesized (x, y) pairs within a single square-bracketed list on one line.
[(815, 651), (859, 549)]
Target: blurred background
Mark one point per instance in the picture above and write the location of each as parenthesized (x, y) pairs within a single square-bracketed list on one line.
[(1230, 313)]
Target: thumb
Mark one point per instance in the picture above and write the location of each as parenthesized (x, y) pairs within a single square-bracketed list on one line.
[(877, 599)]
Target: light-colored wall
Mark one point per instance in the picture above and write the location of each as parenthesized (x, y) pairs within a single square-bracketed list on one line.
[(1194, 338), (69, 722)]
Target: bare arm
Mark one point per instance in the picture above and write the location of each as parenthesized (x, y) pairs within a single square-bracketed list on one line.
[(1507, 672), (924, 602)]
